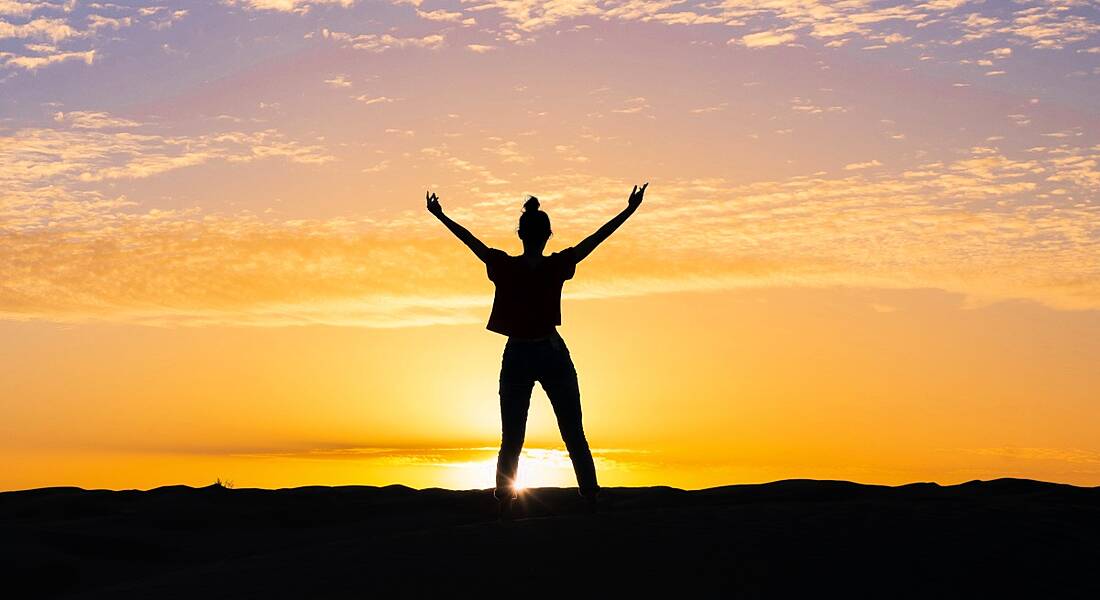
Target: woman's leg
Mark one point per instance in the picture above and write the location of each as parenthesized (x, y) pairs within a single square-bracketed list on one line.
[(516, 383), (559, 380)]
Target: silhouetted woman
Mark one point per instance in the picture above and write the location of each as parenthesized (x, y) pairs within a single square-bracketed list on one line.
[(527, 309)]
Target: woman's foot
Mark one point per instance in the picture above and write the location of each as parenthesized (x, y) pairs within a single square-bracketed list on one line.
[(505, 498), (594, 501), (504, 508)]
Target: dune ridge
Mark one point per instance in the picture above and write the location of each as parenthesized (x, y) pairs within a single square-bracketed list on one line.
[(785, 538)]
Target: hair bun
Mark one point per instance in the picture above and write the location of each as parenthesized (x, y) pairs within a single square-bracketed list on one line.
[(532, 204)]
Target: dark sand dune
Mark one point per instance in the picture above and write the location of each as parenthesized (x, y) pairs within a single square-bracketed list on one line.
[(1008, 537)]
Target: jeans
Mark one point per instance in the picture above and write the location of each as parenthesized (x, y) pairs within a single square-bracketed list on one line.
[(547, 361)]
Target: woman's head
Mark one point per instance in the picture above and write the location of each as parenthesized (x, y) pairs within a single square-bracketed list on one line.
[(534, 225)]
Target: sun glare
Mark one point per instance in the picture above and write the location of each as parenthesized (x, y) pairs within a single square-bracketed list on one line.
[(538, 467)]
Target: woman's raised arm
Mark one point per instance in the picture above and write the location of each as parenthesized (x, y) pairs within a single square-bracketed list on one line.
[(589, 243), (479, 249)]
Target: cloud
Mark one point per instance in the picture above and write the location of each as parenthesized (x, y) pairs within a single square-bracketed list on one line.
[(32, 63), (170, 19), (70, 33), (87, 149), (544, 466), (508, 152), (985, 222), (480, 48), (372, 42), (532, 15), (1066, 455), (369, 100), (767, 23), (478, 174), (710, 109), (14, 8), (338, 81), (93, 120), (633, 106), (753, 23), (806, 106), (570, 153), (101, 22), (377, 167), (291, 6), (987, 225), (54, 30), (446, 16), (764, 39), (1049, 26)]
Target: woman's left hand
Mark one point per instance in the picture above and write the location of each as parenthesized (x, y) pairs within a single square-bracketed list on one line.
[(433, 203)]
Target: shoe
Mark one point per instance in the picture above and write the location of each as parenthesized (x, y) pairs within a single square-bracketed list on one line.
[(504, 507), (595, 502)]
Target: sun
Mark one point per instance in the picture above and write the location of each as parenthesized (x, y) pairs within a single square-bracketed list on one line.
[(538, 467)]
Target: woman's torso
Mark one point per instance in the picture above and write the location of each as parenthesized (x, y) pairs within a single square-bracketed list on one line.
[(527, 299)]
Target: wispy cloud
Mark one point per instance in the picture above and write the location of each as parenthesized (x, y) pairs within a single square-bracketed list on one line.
[(862, 165), (710, 109), (51, 29), (971, 226), (764, 39), (338, 81), (1075, 456), (373, 42), (290, 6), (632, 106), (31, 63), (17, 8), (93, 120), (369, 100), (88, 152), (446, 16)]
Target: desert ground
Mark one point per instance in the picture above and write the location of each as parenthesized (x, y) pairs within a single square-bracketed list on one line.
[(794, 538)]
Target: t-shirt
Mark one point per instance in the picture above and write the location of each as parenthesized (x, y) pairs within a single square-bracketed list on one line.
[(527, 303)]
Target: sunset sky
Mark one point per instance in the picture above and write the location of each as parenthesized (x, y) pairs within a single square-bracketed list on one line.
[(870, 248)]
